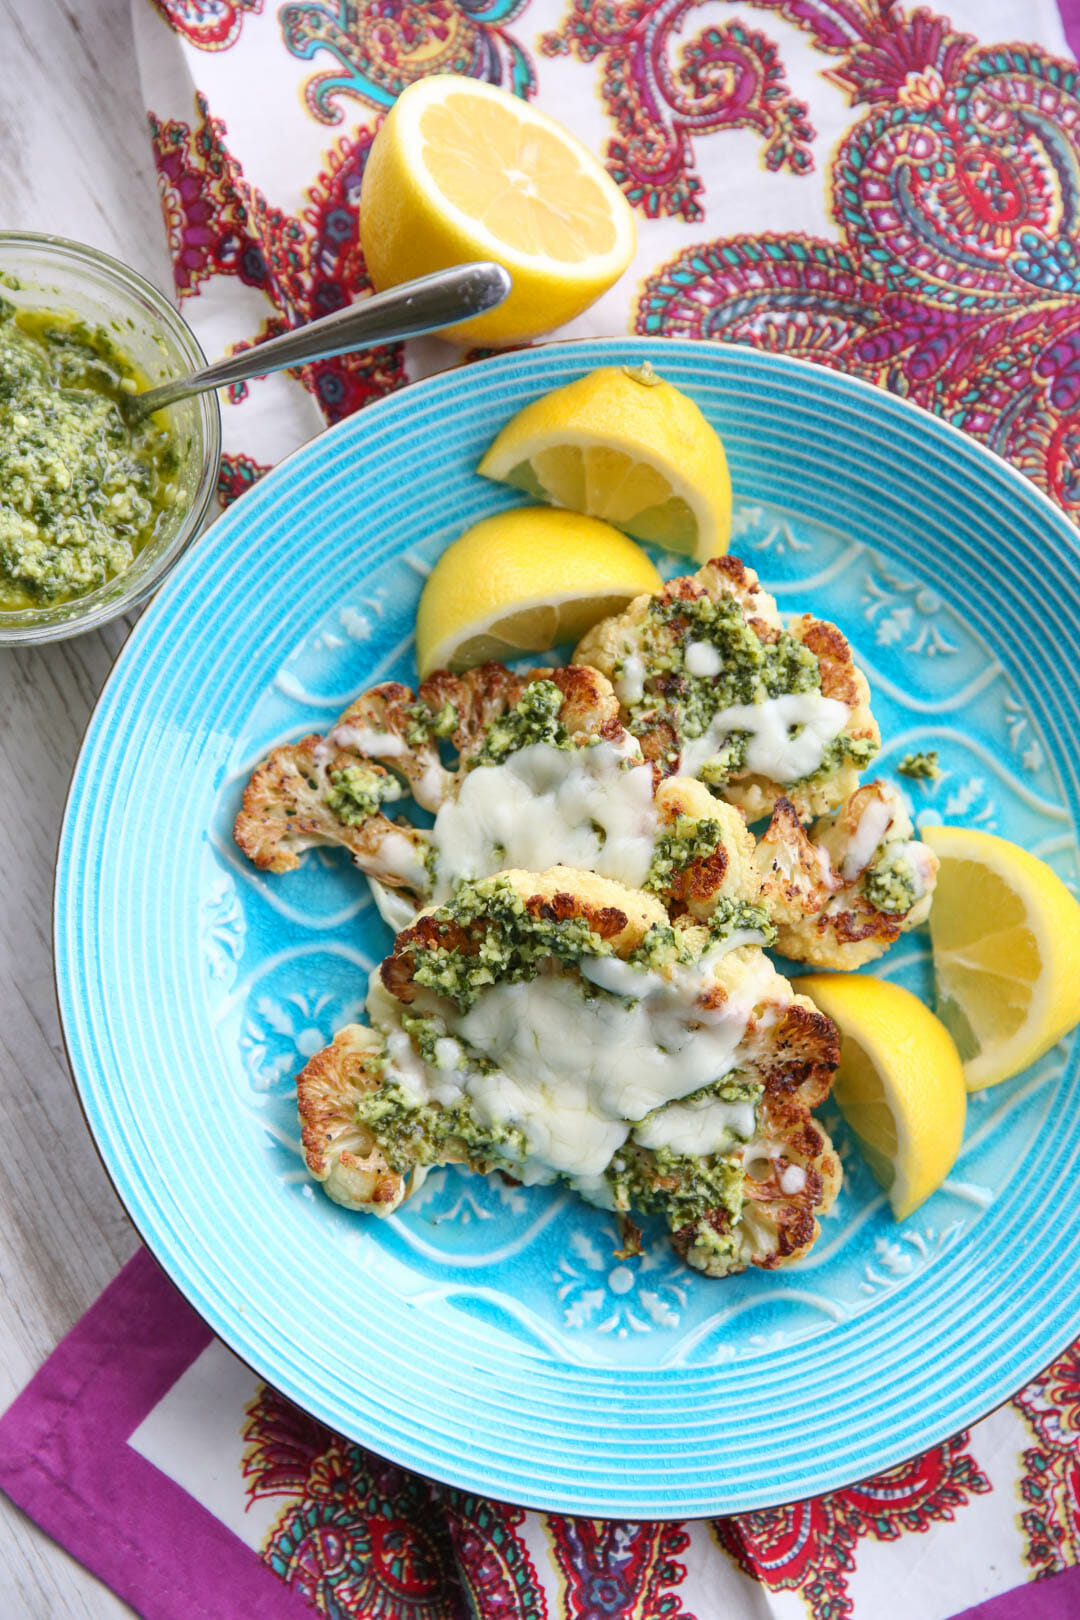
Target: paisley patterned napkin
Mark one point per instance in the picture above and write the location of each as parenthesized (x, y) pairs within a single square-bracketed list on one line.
[(166, 1467), (885, 190)]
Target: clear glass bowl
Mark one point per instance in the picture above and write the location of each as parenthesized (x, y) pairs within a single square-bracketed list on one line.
[(67, 276)]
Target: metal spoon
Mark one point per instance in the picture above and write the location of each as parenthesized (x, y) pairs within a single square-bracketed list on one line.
[(415, 307)]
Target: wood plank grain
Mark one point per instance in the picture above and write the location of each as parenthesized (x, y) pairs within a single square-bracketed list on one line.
[(76, 163)]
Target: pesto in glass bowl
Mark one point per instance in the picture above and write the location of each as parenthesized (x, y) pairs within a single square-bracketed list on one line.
[(94, 507)]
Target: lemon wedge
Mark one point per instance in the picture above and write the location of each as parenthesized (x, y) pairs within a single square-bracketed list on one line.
[(460, 170), (524, 581), (1006, 938), (900, 1084), (625, 446)]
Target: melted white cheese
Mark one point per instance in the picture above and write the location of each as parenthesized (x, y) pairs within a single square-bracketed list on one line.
[(574, 1074), (432, 785), (702, 658), (772, 750), (395, 908), (409, 1068), (367, 740), (792, 1179), (630, 682), (874, 823), (546, 806), (919, 863), (399, 858), (704, 1125)]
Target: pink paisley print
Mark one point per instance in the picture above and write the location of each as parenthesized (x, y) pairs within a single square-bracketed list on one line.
[(957, 280), (356, 1537), (618, 1571), (728, 77), (1050, 1486), (377, 47), (236, 476), (809, 1547), (211, 25), (307, 265)]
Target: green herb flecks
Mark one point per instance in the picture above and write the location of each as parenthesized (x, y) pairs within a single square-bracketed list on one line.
[(534, 718), (508, 945), (923, 767), (357, 792), (890, 884), (82, 490)]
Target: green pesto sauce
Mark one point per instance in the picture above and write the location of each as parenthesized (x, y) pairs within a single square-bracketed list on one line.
[(357, 793), (728, 762), (81, 491), (509, 949), (739, 916), (686, 840), (533, 719), (412, 1133), (680, 1188), (513, 947), (752, 672), (664, 946), (692, 1186), (514, 944), (859, 750), (426, 723), (923, 767), (890, 885)]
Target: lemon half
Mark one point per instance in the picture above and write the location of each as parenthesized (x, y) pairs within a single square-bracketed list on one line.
[(1006, 938), (900, 1084), (627, 447), (460, 170), (524, 581)]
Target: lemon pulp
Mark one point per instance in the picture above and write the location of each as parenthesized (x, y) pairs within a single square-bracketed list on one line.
[(460, 170), (524, 581), (900, 1083), (622, 445), (1005, 933)]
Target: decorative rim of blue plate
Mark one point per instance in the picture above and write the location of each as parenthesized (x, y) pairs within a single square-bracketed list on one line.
[(636, 1442)]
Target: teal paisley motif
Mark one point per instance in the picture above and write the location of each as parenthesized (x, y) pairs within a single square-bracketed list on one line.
[(356, 1538), (383, 45), (492, 1558), (956, 281)]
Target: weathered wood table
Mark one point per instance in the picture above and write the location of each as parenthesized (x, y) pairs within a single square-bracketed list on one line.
[(76, 162)]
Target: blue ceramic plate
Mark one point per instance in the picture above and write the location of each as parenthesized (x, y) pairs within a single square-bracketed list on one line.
[(486, 1335)]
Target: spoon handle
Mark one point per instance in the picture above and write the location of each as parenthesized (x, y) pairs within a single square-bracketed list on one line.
[(413, 308)]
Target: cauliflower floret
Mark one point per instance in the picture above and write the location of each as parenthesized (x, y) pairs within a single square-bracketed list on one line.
[(453, 1070), (722, 860), (340, 1149), (328, 790), (843, 892), (714, 686), (670, 835)]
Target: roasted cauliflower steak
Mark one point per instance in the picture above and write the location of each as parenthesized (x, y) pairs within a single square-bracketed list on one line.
[(559, 1026), (715, 686), (544, 773), (843, 890)]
